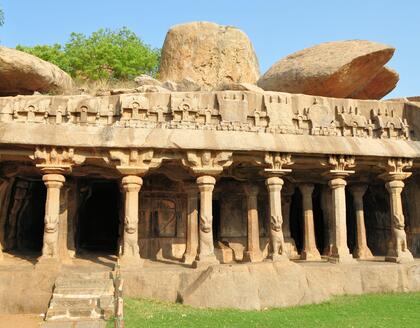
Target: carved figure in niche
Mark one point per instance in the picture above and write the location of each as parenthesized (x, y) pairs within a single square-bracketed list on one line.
[(400, 237), (131, 246), (18, 206), (277, 236), (164, 218), (50, 248)]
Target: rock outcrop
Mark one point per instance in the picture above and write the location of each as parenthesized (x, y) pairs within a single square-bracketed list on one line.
[(22, 73), (382, 84), (209, 54), (332, 69)]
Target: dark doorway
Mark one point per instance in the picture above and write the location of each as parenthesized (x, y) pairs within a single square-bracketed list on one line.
[(99, 216), (216, 220), (24, 228)]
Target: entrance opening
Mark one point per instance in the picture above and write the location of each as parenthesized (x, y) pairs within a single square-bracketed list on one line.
[(24, 228), (99, 216)]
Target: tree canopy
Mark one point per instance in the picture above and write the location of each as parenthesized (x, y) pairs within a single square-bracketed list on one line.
[(104, 55)]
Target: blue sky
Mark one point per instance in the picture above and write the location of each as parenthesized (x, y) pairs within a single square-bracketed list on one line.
[(276, 28)]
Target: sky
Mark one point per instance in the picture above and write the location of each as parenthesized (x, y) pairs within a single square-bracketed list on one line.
[(276, 28)]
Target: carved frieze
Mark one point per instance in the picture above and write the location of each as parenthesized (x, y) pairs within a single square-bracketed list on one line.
[(271, 112), (274, 163)]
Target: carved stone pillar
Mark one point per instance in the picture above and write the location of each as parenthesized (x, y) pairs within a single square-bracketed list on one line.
[(131, 251), (206, 254), (361, 250), (277, 251), (192, 224), (53, 182), (340, 252), (253, 252), (310, 251), (399, 252)]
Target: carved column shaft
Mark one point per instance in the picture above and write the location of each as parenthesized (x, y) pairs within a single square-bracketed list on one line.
[(340, 250), (274, 186), (53, 182), (253, 251), (192, 224), (206, 247), (131, 251), (361, 250), (310, 251), (400, 252)]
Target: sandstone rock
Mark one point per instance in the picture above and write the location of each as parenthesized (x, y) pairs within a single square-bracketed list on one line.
[(240, 87), (382, 84), (170, 85), (209, 54), (187, 84), (334, 69), (22, 73), (145, 79)]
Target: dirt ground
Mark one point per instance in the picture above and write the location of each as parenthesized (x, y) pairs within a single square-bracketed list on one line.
[(20, 320)]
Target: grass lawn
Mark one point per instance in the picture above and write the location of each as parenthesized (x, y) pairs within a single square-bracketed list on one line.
[(377, 310)]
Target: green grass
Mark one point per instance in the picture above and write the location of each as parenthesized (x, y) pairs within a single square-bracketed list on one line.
[(376, 310)]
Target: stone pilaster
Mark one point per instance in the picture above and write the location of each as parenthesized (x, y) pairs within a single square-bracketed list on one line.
[(206, 256), (53, 182), (277, 248), (361, 250), (310, 251), (130, 255), (399, 252), (192, 224), (253, 252)]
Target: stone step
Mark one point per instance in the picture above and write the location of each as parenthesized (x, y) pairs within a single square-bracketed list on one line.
[(77, 313), (86, 275), (89, 283), (91, 302), (92, 323)]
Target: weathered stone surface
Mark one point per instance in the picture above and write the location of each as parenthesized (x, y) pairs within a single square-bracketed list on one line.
[(382, 84), (208, 53), (334, 69), (145, 79), (22, 73), (240, 87)]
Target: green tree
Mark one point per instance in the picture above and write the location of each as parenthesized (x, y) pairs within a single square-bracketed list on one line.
[(105, 54)]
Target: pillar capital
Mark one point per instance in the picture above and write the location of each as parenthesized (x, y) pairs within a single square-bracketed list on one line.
[(396, 185), (306, 188), (274, 183), (251, 190), (358, 189), (51, 159), (338, 182), (134, 161), (205, 162), (132, 183), (53, 180), (206, 183)]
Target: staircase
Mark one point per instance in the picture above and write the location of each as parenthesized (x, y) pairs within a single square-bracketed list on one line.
[(81, 300)]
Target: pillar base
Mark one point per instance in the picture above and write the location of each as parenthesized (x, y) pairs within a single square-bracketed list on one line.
[(188, 258), (341, 258), (403, 257), (310, 255), (277, 258), (362, 253), (252, 256), (128, 262), (44, 261), (205, 262)]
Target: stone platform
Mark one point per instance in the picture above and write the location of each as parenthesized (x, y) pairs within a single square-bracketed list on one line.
[(243, 286)]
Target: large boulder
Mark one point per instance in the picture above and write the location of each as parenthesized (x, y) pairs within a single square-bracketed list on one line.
[(209, 54), (332, 69), (378, 87), (22, 73)]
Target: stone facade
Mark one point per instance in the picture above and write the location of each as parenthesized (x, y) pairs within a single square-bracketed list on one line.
[(209, 177)]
